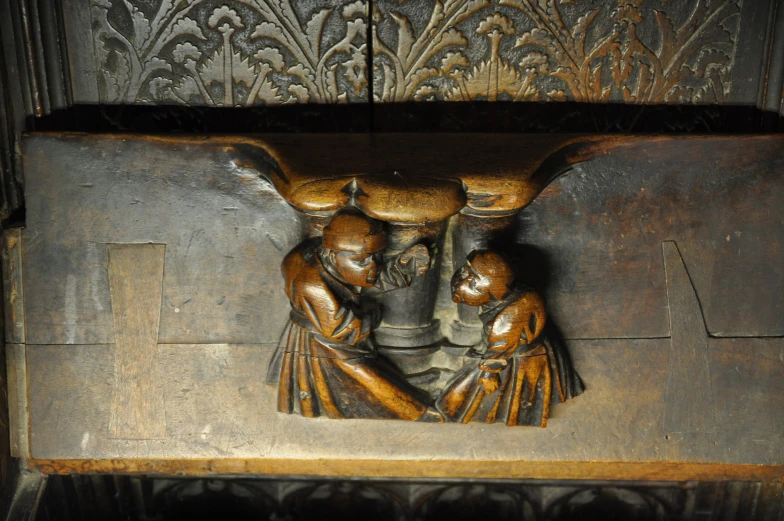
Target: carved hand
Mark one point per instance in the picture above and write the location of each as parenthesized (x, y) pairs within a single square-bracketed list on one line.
[(415, 260)]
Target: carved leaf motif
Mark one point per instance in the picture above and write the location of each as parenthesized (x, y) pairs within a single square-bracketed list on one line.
[(453, 60), (536, 61), (422, 74), (668, 40), (617, 60), (537, 37), (567, 75), (580, 31), (389, 82), (185, 50), (101, 52), (141, 26), (164, 10), (355, 28), (621, 63), (436, 18), (299, 92), (425, 93), (405, 35), (331, 80), (268, 30), (117, 82), (710, 60), (123, 72), (272, 56), (354, 9), (242, 71), (679, 94), (315, 28), (159, 87), (450, 37), (477, 83), (302, 72), (224, 12), (644, 82), (595, 81), (356, 68), (212, 69), (113, 93), (496, 21), (186, 88), (269, 93), (154, 64), (186, 26), (557, 95)]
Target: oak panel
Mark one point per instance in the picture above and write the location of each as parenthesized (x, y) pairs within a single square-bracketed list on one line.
[(215, 410)]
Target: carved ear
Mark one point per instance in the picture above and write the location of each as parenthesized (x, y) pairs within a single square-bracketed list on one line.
[(332, 257)]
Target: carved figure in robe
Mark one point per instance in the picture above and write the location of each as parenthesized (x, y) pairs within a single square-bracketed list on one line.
[(326, 363), (517, 371)]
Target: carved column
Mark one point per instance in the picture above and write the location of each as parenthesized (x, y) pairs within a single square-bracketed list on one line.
[(408, 313)]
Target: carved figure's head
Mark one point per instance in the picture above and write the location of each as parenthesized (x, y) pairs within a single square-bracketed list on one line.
[(486, 276), (353, 243)]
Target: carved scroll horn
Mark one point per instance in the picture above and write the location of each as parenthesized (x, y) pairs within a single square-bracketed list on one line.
[(256, 158)]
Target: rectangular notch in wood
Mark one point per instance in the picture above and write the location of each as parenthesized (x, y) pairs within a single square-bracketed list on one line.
[(136, 284)]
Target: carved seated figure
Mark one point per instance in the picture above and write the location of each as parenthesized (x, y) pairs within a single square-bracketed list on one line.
[(517, 372), (326, 363)]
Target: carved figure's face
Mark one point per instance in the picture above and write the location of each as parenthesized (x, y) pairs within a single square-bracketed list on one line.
[(358, 269), (468, 287)]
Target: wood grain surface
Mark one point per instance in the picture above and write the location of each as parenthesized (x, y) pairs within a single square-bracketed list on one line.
[(591, 242), (689, 398), (226, 234), (577, 470), (18, 414), (218, 406), (135, 285), (13, 287)]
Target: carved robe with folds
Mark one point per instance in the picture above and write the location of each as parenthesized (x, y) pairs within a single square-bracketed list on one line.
[(326, 363), (530, 374)]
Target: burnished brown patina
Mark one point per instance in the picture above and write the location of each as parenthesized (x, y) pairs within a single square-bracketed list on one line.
[(326, 363), (517, 371)]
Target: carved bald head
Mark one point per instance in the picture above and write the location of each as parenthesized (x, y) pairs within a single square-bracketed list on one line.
[(352, 243), (486, 276)]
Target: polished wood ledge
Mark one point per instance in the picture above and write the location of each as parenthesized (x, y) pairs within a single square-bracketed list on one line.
[(416, 178), (429, 469)]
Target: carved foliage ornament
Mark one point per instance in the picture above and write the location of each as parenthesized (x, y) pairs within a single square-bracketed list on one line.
[(246, 52), (237, 53), (632, 51)]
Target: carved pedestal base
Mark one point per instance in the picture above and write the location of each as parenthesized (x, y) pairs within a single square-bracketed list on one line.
[(465, 335), (414, 338)]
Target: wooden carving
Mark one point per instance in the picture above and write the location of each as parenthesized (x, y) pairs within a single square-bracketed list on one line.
[(517, 371), (327, 363)]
